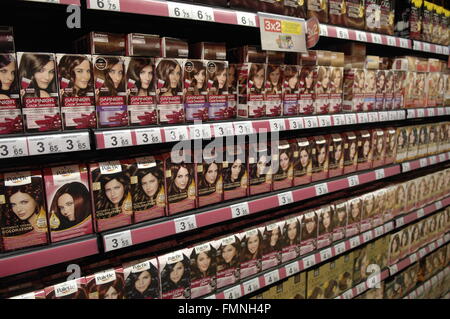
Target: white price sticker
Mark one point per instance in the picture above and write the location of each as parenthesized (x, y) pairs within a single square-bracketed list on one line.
[(296, 123), (388, 227), (348, 294), (339, 248), (420, 213), (233, 293), (120, 138), (433, 160), (361, 288), (110, 5), (420, 112), (48, 144), (447, 110), (442, 158), (175, 134), (440, 111), (239, 210), (417, 45), (325, 254), (427, 285), (338, 119), (423, 162), (401, 115), (251, 286), (412, 258), (368, 236), (376, 38), (420, 291), (206, 131), (392, 115), (422, 253), (321, 189), (354, 242), (439, 49), (277, 125), (379, 231), (411, 113), (311, 122), (75, 142), (309, 261), (148, 136), (285, 198), (195, 132), (223, 129), (361, 36), (117, 240), (404, 43), (185, 224), (431, 112), (350, 119), (434, 280), (353, 181), (446, 50), (342, 33), (243, 128), (373, 117), (323, 30), (426, 47), (438, 205), (246, 19), (399, 222), (412, 295), (211, 297), (391, 41), (379, 173), (406, 167), (324, 121), (432, 246), (440, 242), (271, 277), (393, 269), (13, 147), (292, 268), (383, 116), (362, 118)]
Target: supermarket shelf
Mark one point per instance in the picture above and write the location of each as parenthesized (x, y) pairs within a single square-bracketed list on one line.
[(67, 2), (30, 259), (425, 161), (427, 285), (427, 112), (425, 211)]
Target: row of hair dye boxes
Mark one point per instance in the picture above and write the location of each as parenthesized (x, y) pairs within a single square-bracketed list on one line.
[(202, 268)]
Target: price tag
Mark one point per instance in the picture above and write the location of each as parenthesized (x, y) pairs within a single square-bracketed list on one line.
[(223, 129), (277, 125), (309, 261), (348, 294), (431, 111), (206, 130), (420, 113), (185, 224), (439, 49), (120, 138), (432, 246), (399, 222), (368, 236), (433, 160), (440, 242), (339, 248), (406, 167), (361, 36), (342, 33), (383, 116), (423, 162), (354, 242), (13, 147), (271, 277), (233, 293), (391, 41), (48, 144), (148, 136), (176, 133), (373, 117), (323, 30), (292, 268), (362, 118), (311, 122), (413, 295), (325, 254), (353, 180), (417, 45), (420, 213), (446, 50), (376, 38), (296, 123), (427, 285), (404, 43), (195, 132), (110, 5), (321, 189), (117, 240), (442, 158), (361, 288), (239, 210), (388, 227), (379, 173), (285, 198), (74, 142), (426, 47), (447, 110), (324, 121), (350, 119), (243, 128), (422, 253), (379, 231), (440, 111), (412, 258), (338, 119), (392, 115), (393, 269), (411, 113), (401, 115), (251, 286), (438, 205), (246, 19)]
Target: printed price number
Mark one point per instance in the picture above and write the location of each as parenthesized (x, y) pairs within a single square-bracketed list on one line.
[(440, 242), (439, 49), (309, 261), (438, 205), (43, 145), (392, 115), (427, 285), (376, 38), (148, 136), (406, 167), (271, 277), (383, 116), (422, 253), (185, 224), (363, 118), (277, 125), (361, 288), (417, 46), (379, 231), (391, 41), (361, 36), (338, 119), (246, 19), (323, 30), (223, 129), (353, 180), (411, 113), (196, 132), (446, 50), (339, 248), (321, 189), (442, 157), (368, 236), (251, 285), (296, 123), (118, 240), (348, 294), (326, 254), (440, 111), (117, 139), (72, 143), (373, 117), (243, 128), (13, 147), (110, 5), (420, 113), (324, 121), (355, 241), (174, 134), (426, 47), (180, 10), (292, 268), (431, 112), (240, 210), (412, 295), (311, 122), (350, 119), (393, 269), (433, 160), (401, 115), (342, 33), (399, 222), (404, 43), (233, 293), (412, 258), (432, 246), (420, 213), (203, 13), (379, 173), (423, 162), (447, 110), (285, 198), (388, 227)]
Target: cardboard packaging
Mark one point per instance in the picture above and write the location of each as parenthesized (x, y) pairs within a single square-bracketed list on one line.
[(409, 88), (326, 226), (274, 89), (251, 252), (174, 48), (387, 10), (107, 284), (209, 180), (389, 90), (228, 260), (391, 145), (394, 248), (271, 6), (72, 289), (413, 142), (307, 84), (145, 45), (235, 173), (381, 207), (322, 90), (427, 21), (271, 244), (423, 140), (419, 91), (335, 156), (354, 14), (378, 148), (368, 210), (291, 89), (365, 150), (404, 243), (354, 90), (295, 9), (7, 40), (319, 151), (251, 90), (101, 43), (399, 89), (10, 113), (203, 269), (169, 93), (68, 197), (302, 161), (208, 51), (411, 197), (432, 139), (318, 9), (295, 286), (232, 83), (402, 144), (23, 225), (354, 213), (423, 191), (361, 262), (195, 90), (111, 194), (336, 12), (370, 90), (219, 91), (413, 238), (283, 176), (259, 162), (141, 91), (336, 91), (373, 16), (291, 238), (110, 90), (408, 17), (175, 274), (39, 92), (388, 214), (148, 187), (142, 279), (316, 281), (309, 231), (350, 152), (344, 269), (339, 219), (400, 199)]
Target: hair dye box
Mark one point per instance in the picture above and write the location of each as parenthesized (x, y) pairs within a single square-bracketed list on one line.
[(336, 155), (251, 90), (423, 140), (365, 150), (145, 45), (219, 91), (302, 161), (326, 226), (339, 209), (399, 89), (353, 98), (344, 270), (291, 239), (195, 90), (318, 9), (142, 279), (291, 89), (370, 91), (271, 244), (432, 141), (10, 113), (101, 43), (402, 144), (251, 252), (24, 216), (69, 201), (350, 152), (400, 199), (232, 82), (378, 148), (228, 260), (203, 269), (320, 149), (419, 90), (316, 279), (174, 48), (380, 207), (309, 231), (307, 86), (411, 197), (283, 176), (336, 90), (413, 142), (380, 90), (235, 173), (39, 91), (260, 173), (112, 200), (391, 145), (273, 90), (354, 213), (322, 90), (210, 179), (72, 289), (175, 274), (107, 284)]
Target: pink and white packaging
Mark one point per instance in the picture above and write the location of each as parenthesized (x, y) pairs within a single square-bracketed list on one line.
[(39, 294), (322, 90), (203, 281), (339, 220), (326, 227), (251, 252), (309, 231), (228, 260), (291, 238), (181, 261), (353, 90), (272, 239), (354, 215)]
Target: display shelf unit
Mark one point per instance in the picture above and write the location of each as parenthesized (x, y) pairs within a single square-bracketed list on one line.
[(430, 283)]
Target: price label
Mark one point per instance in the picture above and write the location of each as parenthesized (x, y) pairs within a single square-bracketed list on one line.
[(432, 247), (361, 36), (406, 167), (388, 227), (325, 254), (246, 19), (285, 198), (440, 242), (373, 117), (411, 113), (243, 128), (393, 269), (413, 295), (271, 277), (148, 136), (185, 224), (392, 115), (110, 5), (75, 142), (433, 160), (117, 240), (420, 113), (422, 253), (399, 222), (383, 116), (309, 261), (292, 268), (379, 231), (174, 133), (440, 111), (311, 122), (447, 110), (251, 286), (361, 288), (296, 123), (354, 242), (417, 45), (423, 162), (13, 147), (420, 291), (239, 210), (350, 119), (401, 115), (434, 281), (412, 258), (391, 41), (342, 33), (323, 30), (324, 121), (431, 112), (338, 119), (426, 47), (223, 129), (438, 205), (363, 118), (353, 181), (420, 213), (321, 189), (348, 294), (233, 293), (368, 236), (206, 130), (376, 38), (277, 125), (439, 49), (196, 132), (339, 248), (211, 297), (120, 138), (442, 158), (446, 50), (48, 144), (379, 173), (404, 43)]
